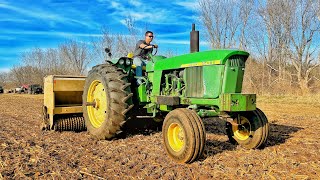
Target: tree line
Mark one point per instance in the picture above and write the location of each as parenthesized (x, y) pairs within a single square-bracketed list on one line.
[(282, 36), (69, 58)]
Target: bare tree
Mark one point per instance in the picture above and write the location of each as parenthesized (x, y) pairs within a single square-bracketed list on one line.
[(34, 67), (3, 78), (246, 11), (304, 30), (106, 41), (225, 22), (126, 43), (43, 62), (24, 75), (292, 28), (70, 58), (76, 56), (55, 64), (275, 45), (120, 44)]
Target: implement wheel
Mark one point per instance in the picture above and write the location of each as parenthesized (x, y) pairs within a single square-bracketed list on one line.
[(45, 125), (106, 100), (252, 131), (184, 135)]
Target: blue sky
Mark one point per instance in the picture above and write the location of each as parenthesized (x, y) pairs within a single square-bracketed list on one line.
[(26, 24)]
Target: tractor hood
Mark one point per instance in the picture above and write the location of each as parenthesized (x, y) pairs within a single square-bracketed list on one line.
[(197, 59)]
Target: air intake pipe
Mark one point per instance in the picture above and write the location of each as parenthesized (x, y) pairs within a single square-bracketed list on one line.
[(194, 39)]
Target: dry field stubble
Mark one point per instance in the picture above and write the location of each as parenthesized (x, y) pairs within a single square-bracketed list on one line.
[(292, 151)]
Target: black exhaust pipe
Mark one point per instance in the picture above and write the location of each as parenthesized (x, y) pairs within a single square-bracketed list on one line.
[(194, 39)]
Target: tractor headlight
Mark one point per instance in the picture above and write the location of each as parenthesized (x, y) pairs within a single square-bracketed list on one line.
[(121, 61), (128, 62)]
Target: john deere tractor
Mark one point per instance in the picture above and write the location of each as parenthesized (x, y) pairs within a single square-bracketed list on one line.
[(183, 89)]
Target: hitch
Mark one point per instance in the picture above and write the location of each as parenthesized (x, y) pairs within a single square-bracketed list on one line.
[(230, 120), (90, 104)]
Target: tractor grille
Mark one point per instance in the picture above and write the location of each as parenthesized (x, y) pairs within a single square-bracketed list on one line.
[(237, 61), (194, 84)]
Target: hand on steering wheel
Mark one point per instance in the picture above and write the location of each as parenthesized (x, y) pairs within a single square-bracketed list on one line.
[(156, 47), (153, 46)]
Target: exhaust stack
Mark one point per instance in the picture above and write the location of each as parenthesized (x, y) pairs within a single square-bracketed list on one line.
[(194, 40)]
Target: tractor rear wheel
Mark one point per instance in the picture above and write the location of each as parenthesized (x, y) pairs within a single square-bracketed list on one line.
[(252, 131), (184, 135), (106, 98)]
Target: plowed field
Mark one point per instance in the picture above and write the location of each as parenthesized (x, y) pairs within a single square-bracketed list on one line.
[(292, 152)]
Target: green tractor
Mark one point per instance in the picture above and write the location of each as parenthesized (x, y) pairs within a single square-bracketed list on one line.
[(183, 89)]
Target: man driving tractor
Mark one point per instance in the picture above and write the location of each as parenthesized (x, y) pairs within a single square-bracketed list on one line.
[(143, 48)]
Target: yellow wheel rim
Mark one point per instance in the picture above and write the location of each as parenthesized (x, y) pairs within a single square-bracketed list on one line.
[(242, 132), (176, 137), (97, 94)]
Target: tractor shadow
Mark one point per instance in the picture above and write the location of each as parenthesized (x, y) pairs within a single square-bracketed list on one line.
[(215, 127), (278, 134), (140, 127)]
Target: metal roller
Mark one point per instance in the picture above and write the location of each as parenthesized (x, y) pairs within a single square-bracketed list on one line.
[(70, 123)]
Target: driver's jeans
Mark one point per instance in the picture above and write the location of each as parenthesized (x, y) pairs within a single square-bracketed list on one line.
[(139, 62)]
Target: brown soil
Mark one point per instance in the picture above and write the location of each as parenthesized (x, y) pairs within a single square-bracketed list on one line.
[(292, 152)]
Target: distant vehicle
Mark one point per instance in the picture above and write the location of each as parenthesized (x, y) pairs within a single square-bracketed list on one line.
[(1, 89), (35, 89), (9, 91), (25, 88), (18, 90)]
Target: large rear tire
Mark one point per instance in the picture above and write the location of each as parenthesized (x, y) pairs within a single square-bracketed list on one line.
[(184, 135), (253, 131), (106, 98)]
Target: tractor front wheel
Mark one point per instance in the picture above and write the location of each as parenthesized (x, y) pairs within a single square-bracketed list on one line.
[(184, 135), (252, 130)]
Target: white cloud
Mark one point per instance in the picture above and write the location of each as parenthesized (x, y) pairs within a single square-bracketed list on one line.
[(179, 42), (32, 13), (138, 16), (115, 4), (186, 33), (6, 37), (45, 15), (192, 5), (51, 33), (2, 70), (146, 13), (168, 41), (14, 20), (135, 3)]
